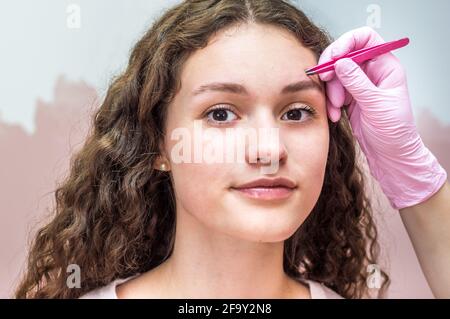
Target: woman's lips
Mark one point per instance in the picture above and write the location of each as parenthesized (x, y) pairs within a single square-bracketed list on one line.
[(266, 193)]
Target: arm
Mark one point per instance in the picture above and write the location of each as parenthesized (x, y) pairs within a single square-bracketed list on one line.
[(428, 226), (376, 98)]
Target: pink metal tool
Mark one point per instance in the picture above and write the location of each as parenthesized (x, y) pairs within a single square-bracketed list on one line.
[(360, 56)]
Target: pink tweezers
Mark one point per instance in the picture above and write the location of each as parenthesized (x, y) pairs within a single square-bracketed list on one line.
[(360, 56)]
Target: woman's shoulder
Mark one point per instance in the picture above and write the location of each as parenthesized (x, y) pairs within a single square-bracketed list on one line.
[(320, 291), (317, 290), (106, 292)]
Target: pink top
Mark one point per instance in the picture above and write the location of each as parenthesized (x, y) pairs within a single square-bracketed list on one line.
[(317, 291)]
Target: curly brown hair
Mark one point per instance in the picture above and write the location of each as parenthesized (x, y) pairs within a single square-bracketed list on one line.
[(115, 213)]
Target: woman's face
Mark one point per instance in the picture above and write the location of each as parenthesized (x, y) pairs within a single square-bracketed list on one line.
[(263, 60)]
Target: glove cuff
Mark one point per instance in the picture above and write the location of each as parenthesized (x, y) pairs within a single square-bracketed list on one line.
[(415, 183)]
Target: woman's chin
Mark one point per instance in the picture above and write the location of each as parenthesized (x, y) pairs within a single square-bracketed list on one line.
[(263, 228)]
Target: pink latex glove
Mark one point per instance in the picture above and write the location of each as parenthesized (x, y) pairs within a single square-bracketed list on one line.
[(381, 118)]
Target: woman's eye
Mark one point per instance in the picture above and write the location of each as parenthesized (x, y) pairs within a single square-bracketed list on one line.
[(297, 114), (221, 115), (224, 115)]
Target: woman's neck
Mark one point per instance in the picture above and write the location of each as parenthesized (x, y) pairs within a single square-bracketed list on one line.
[(208, 264)]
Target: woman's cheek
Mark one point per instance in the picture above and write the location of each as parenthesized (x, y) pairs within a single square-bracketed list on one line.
[(309, 150), (202, 177)]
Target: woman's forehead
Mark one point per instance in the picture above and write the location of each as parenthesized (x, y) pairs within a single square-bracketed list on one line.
[(249, 54)]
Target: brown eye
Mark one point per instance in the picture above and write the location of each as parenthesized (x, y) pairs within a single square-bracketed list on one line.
[(294, 115), (221, 115), (298, 113)]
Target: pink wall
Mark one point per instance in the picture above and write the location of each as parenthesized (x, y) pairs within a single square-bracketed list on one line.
[(31, 166)]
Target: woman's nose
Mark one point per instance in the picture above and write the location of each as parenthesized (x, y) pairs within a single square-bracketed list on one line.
[(268, 146)]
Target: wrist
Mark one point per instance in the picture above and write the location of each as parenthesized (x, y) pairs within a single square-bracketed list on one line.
[(408, 183)]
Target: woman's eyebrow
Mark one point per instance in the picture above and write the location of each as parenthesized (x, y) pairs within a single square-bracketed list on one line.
[(236, 88)]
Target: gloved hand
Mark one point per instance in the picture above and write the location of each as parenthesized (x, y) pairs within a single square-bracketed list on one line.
[(381, 118)]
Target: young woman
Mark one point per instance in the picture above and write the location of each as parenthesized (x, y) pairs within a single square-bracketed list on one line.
[(142, 224)]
